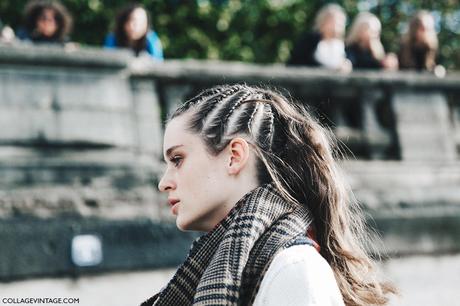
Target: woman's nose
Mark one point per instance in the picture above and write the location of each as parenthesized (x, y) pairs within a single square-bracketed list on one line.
[(166, 184)]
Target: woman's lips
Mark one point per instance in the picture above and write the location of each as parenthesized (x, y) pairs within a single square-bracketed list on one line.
[(174, 205), (172, 201)]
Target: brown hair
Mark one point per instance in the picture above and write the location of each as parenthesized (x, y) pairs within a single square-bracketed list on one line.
[(409, 45), (296, 154), (33, 11), (120, 34)]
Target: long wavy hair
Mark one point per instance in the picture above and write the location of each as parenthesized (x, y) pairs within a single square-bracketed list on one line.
[(409, 43), (296, 154)]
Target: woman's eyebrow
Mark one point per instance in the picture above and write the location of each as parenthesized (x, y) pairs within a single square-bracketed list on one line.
[(169, 151)]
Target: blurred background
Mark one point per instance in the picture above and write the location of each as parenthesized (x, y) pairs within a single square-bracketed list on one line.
[(260, 31), (85, 87)]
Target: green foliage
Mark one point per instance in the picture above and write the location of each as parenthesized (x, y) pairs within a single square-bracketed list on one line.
[(261, 31)]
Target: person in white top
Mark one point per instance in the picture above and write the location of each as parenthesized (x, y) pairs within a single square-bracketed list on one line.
[(324, 46), (256, 173)]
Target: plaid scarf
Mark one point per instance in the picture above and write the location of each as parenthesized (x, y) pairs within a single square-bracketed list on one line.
[(226, 265)]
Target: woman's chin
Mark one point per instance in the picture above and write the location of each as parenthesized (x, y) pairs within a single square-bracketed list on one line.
[(183, 225), (188, 225)]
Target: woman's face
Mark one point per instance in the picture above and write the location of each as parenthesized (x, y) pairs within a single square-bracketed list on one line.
[(197, 183), (425, 29), (333, 26), (46, 23), (136, 25), (368, 32)]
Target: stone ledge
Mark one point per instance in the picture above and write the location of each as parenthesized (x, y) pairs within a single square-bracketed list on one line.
[(420, 234), (212, 71), (24, 53), (208, 71), (44, 248)]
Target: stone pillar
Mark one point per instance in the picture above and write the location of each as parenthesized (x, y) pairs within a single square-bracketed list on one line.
[(423, 126), (147, 117), (376, 137)]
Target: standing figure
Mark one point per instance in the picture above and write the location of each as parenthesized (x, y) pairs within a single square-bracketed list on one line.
[(257, 174), (132, 30)]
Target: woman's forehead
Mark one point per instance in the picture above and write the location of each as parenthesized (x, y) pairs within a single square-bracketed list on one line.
[(177, 133), (139, 13)]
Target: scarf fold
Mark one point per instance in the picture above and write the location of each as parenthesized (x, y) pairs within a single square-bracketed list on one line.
[(226, 265)]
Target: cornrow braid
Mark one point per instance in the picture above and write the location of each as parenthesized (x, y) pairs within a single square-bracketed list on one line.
[(266, 122), (265, 127), (251, 118), (202, 96), (236, 104), (196, 99), (215, 127), (271, 127), (237, 123), (204, 109)]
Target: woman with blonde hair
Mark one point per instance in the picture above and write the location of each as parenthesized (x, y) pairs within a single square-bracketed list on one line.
[(324, 47), (363, 46), (258, 174), (420, 44)]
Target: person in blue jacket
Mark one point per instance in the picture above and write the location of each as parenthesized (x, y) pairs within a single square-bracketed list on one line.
[(132, 30)]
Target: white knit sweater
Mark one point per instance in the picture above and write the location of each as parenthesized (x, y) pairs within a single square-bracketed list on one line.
[(299, 275)]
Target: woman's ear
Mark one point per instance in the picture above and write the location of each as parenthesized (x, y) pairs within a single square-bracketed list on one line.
[(239, 155)]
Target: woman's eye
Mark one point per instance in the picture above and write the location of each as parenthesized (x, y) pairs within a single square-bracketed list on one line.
[(176, 160)]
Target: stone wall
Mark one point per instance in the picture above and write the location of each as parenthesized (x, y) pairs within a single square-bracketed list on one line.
[(80, 150), (76, 139)]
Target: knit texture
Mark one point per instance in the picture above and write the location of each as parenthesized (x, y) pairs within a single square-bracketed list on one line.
[(226, 265)]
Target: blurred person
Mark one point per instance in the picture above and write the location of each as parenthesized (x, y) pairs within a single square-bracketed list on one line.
[(419, 46), (363, 46), (46, 22), (257, 174), (132, 30), (324, 47), (6, 33)]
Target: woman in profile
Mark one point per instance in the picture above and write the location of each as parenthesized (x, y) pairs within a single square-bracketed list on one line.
[(258, 175), (46, 22), (132, 31), (363, 46)]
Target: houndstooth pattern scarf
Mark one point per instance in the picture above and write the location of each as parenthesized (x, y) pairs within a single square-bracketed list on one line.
[(226, 265)]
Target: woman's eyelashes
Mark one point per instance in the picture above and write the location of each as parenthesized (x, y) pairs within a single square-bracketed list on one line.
[(176, 160)]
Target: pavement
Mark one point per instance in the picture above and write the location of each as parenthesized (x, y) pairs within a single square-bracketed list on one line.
[(422, 280)]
